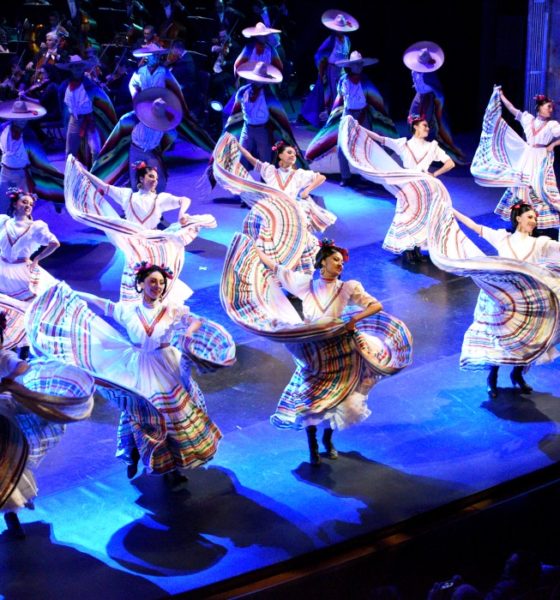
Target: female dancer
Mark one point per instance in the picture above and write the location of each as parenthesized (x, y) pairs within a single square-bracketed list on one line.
[(171, 432), (145, 206), (528, 168), (36, 400), (337, 361), (416, 154), (20, 237), (296, 183), (519, 245), (304, 402)]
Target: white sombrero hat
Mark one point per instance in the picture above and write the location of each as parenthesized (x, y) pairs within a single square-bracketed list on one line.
[(259, 29), (338, 20), (158, 108), (356, 59), (260, 72), (148, 50), (424, 57), (21, 109), (75, 62)]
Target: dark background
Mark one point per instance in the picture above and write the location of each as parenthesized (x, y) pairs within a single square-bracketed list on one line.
[(484, 43)]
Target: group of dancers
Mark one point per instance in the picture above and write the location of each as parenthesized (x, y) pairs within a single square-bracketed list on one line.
[(279, 281)]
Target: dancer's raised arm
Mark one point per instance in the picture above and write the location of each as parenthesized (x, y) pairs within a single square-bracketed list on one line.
[(467, 221), (512, 109)]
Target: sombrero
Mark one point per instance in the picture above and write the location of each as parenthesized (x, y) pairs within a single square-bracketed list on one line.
[(148, 50), (356, 59), (260, 72), (424, 57), (75, 61), (338, 20), (259, 29), (21, 109), (158, 108)]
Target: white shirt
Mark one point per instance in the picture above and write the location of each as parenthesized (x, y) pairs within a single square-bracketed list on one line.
[(143, 208), (77, 101), (254, 113), (341, 49), (353, 94), (290, 181), (265, 57), (22, 239), (537, 131), (144, 79), (521, 246), (417, 154), (420, 84), (146, 137), (323, 298), (14, 154)]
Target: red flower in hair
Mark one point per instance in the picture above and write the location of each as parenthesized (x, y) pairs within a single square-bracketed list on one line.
[(413, 118), (145, 266), (328, 243), (14, 192), (542, 98)]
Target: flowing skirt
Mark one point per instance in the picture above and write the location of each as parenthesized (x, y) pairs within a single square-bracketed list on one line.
[(165, 416), (334, 370), (503, 159), (36, 408), (413, 190)]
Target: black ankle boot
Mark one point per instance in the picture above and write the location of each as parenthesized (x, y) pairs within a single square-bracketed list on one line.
[(517, 380), (14, 526), (492, 382), (132, 468), (314, 457), (410, 256), (176, 481), (418, 254), (329, 446)]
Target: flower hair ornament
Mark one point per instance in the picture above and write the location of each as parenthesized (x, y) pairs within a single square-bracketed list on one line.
[(280, 145), (140, 164), (328, 243), (414, 118), (519, 204), (145, 266), (542, 99), (14, 192)]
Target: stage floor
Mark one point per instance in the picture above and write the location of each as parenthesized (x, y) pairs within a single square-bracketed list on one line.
[(433, 436)]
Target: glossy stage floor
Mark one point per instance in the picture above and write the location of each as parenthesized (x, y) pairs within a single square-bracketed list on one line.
[(433, 438)]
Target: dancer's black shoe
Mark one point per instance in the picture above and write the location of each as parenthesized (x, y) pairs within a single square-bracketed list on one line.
[(492, 382), (15, 529), (410, 256), (418, 254), (517, 380), (327, 443), (314, 457), (176, 481), (132, 468)]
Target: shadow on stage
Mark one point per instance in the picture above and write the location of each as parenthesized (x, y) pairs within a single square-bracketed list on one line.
[(39, 567), (172, 537)]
